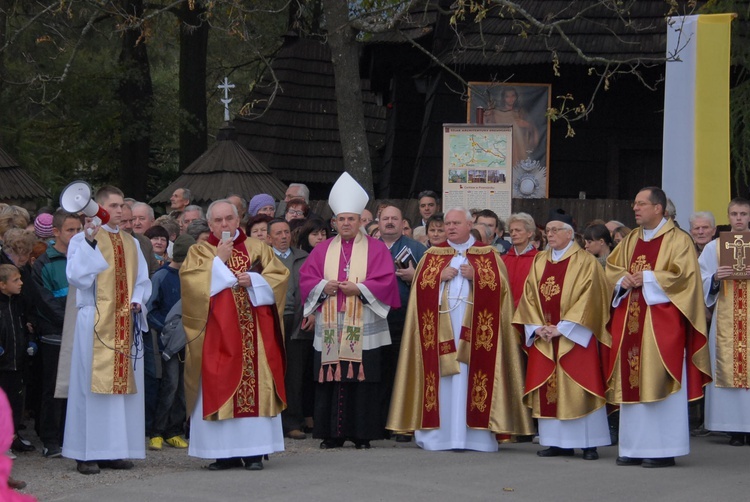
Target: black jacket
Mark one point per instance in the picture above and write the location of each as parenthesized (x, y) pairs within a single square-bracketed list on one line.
[(13, 336)]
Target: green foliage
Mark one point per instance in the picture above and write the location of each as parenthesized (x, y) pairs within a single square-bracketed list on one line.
[(60, 129), (60, 108)]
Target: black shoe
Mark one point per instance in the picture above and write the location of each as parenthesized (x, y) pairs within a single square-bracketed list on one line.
[(52, 451), (90, 467), (590, 454), (118, 464), (734, 440), (658, 462), (555, 451), (253, 463), (20, 444), (222, 464), (362, 444), (628, 461), (402, 438), (700, 432), (327, 444)]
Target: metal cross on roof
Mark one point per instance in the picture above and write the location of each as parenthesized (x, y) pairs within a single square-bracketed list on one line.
[(225, 86)]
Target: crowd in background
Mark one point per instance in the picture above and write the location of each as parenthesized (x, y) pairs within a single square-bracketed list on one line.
[(32, 317)]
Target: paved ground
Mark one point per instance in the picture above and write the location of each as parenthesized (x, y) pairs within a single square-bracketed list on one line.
[(391, 471)]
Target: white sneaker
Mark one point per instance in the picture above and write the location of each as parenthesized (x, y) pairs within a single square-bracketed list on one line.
[(10, 455)]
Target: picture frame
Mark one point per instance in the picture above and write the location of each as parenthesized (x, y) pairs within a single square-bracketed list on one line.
[(524, 107)]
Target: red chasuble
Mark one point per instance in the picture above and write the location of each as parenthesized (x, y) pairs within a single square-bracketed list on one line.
[(230, 352), (581, 364), (481, 336), (671, 330)]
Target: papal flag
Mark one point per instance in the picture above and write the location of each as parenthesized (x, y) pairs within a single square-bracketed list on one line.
[(695, 168)]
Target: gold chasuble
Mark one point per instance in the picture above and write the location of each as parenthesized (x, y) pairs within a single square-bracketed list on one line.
[(111, 371), (488, 345), (650, 342), (565, 380), (732, 327), (234, 350)]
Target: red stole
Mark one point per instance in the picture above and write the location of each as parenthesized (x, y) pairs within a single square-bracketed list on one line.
[(229, 367), (123, 329), (427, 283), (483, 338)]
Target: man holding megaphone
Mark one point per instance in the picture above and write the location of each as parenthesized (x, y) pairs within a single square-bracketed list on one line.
[(105, 417)]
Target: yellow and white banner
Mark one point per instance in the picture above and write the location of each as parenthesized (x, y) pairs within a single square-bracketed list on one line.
[(695, 167)]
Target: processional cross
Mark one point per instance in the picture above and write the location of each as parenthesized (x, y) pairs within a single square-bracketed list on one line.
[(738, 248), (225, 86)]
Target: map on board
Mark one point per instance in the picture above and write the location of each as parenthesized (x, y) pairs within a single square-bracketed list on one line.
[(478, 149), (477, 167)]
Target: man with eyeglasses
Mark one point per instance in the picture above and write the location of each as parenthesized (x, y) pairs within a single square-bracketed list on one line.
[(659, 358), (562, 313), (294, 191), (461, 366)]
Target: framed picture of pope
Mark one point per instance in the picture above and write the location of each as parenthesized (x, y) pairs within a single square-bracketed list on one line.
[(523, 106)]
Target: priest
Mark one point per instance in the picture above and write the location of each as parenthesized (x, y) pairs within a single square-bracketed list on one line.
[(659, 358), (104, 423), (727, 397), (563, 313), (235, 288), (460, 372), (349, 284)]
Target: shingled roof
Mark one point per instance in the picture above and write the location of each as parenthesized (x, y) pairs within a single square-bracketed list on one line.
[(225, 168), (503, 38), (297, 136), (15, 183)]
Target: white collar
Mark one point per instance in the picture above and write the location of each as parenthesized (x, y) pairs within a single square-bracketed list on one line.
[(649, 234), (463, 246), (558, 254)]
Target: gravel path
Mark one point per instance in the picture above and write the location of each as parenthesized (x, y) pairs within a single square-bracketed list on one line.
[(48, 478)]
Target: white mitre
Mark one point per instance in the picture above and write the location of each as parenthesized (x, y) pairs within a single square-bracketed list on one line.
[(347, 196)]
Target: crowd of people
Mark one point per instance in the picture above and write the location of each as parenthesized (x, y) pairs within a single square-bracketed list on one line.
[(224, 331)]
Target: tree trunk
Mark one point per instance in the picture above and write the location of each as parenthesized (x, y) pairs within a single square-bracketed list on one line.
[(136, 97), (193, 53), (351, 114)]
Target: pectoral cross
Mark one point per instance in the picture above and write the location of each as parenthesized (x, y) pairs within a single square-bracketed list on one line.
[(738, 252)]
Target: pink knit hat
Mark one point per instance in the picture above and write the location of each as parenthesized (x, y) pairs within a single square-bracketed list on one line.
[(43, 226)]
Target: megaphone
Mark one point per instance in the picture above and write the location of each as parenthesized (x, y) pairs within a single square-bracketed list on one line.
[(76, 197)]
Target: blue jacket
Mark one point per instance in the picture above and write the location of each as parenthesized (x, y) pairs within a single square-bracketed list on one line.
[(165, 292)]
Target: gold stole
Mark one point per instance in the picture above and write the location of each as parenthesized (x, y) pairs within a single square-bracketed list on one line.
[(113, 330), (344, 344), (732, 324)]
